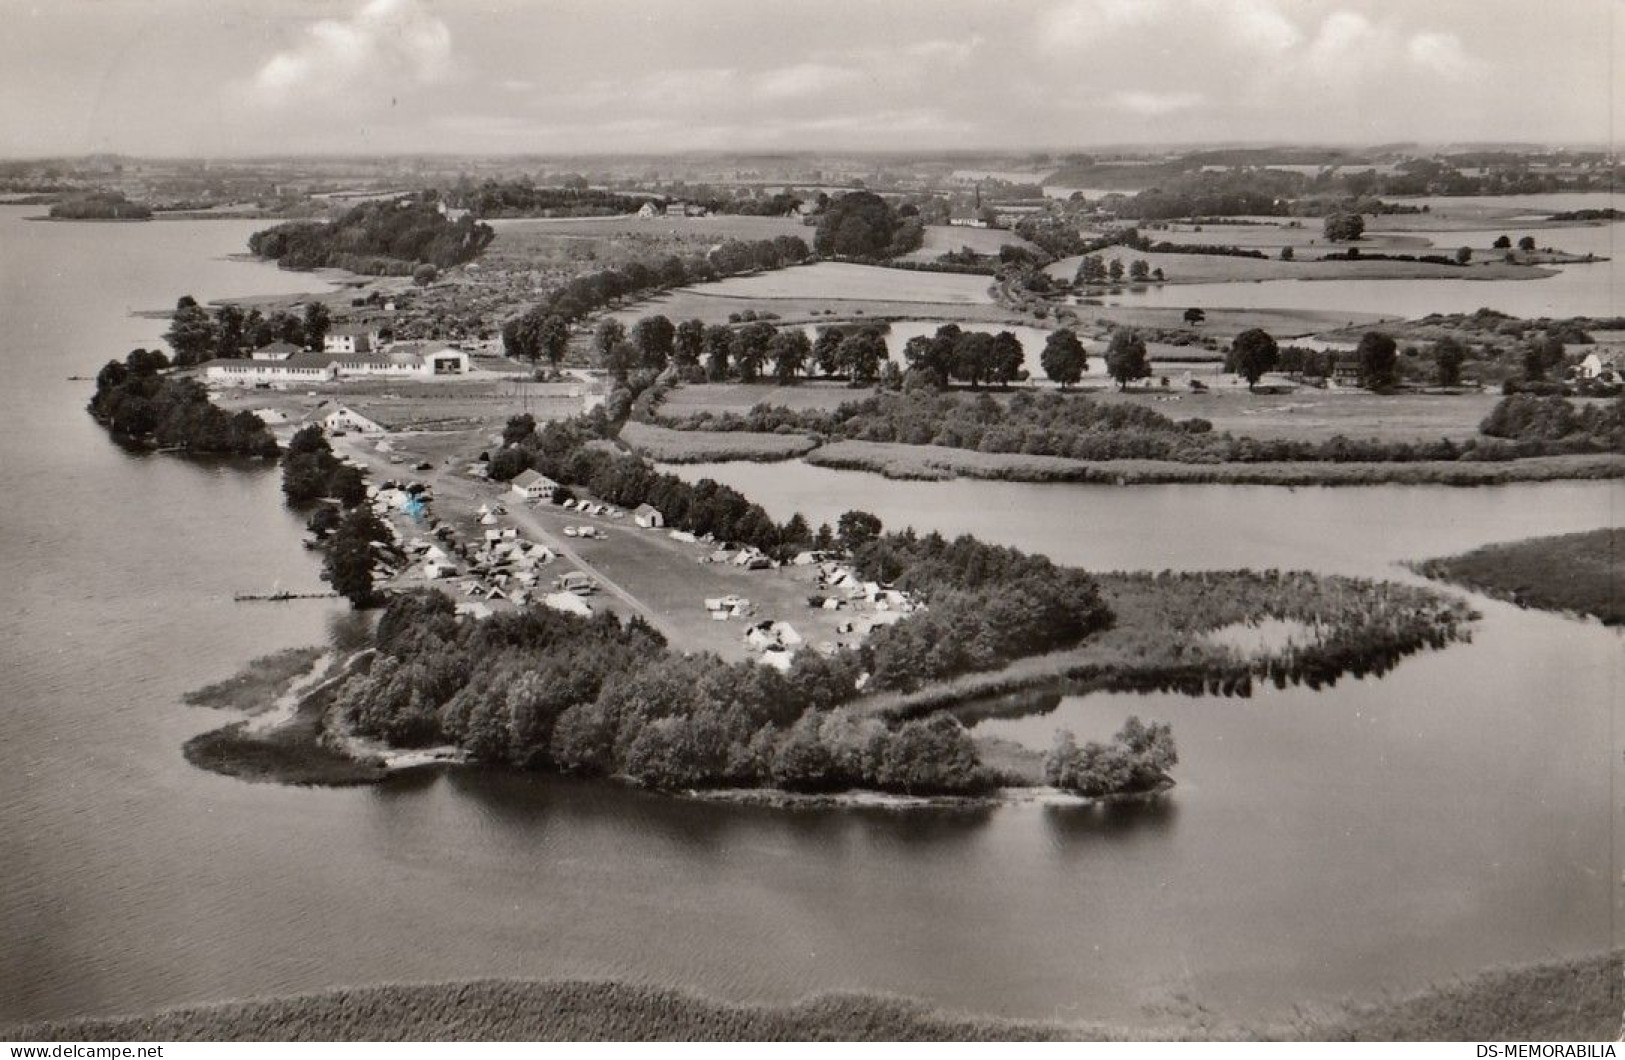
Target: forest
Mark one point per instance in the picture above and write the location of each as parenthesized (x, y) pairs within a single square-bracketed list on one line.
[(383, 238)]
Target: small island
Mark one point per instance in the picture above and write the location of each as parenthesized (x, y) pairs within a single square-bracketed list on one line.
[(100, 206)]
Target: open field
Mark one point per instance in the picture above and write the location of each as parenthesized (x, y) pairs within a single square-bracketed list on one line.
[(1572, 1000), (711, 229), (691, 398), (1317, 415), (1576, 573), (842, 281), (895, 460), (1218, 268), (696, 447), (942, 239)]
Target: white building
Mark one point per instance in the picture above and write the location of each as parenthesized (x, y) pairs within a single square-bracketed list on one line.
[(648, 210), (242, 371), (350, 338), (648, 517), (277, 351), (533, 485), (1597, 367)]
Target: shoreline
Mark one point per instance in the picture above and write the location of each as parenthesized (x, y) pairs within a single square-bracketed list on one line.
[(1569, 999)]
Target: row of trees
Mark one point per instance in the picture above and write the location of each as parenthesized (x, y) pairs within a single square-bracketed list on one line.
[(350, 532), (196, 334), (1093, 269), (135, 400), (544, 329)]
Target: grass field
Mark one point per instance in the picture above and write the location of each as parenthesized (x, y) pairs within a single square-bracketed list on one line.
[(1216, 268), (895, 460), (477, 402), (691, 398), (941, 239), (1317, 415), (1572, 1000), (842, 281), (695, 447), (1580, 574), (515, 231)]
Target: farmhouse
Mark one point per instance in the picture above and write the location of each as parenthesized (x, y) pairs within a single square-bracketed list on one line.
[(533, 485), (648, 210), (345, 418), (648, 517), (1594, 366)]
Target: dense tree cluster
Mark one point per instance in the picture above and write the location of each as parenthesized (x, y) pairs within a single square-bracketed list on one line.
[(524, 199), (1541, 423), (860, 224), (310, 471), (543, 330), (1253, 353), (387, 238), (1138, 759), (542, 689), (101, 206), (986, 604), (196, 334), (135, 400), (953, 354)]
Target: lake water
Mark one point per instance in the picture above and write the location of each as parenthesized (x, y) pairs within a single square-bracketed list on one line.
[(1372, 837)]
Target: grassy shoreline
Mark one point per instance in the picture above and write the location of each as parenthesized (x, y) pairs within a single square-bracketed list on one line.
[(1577, 574), (1577, 999), (897, 460)]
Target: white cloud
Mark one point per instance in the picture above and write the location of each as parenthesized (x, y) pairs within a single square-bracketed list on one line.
[(1080, 22), (802, 80), (1152, 104), (386, 43), (1441, 53), (1258, 22)]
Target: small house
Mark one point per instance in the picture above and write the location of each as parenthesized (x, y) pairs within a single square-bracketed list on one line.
[(648, 210), (350, 338), (648, 517), (533, 485), (345, 418), (276, 351)]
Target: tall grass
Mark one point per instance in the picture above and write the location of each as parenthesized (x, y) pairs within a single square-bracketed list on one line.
[(1580, 574)]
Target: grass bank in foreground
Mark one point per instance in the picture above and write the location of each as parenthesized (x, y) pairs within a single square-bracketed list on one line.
[(902, 461), (1581, 574), (257, 687), (1575, 1000), (698, 447)]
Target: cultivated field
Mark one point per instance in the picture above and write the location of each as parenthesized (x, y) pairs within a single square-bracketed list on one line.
[(941, 239), (1219, 268), (471, 403), (691, 398), (713, 229), (1317, 415), (697, 447), (840, 281)]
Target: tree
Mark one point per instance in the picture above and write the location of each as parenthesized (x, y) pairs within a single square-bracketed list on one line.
[(553, 339), (191, 332), (789, 351), (1526, 244), (1008, 360), (230, 331), (1253, 353), (861, 356), (750, 349), (856, 528), (1287, 254), (1344, 227), (718, 352), (317, 321), (827, 351), (689, 345), (1064, 358), (1464, 255), (607, 335), (425, 274), (655, 337), (1503, 242), (348, 566), (1126, 358), (1115, 269), (1378, 355), (858, 224), (1195, 316), (1448, 356), (1090, 270), (1139, 271), (973, 357)]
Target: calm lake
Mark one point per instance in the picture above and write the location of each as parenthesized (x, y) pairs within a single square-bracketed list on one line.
[(1370, 837)]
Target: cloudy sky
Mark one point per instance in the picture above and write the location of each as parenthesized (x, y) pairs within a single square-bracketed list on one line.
[(557, 76)]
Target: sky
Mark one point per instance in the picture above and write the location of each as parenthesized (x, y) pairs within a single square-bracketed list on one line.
[(266, 77)]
